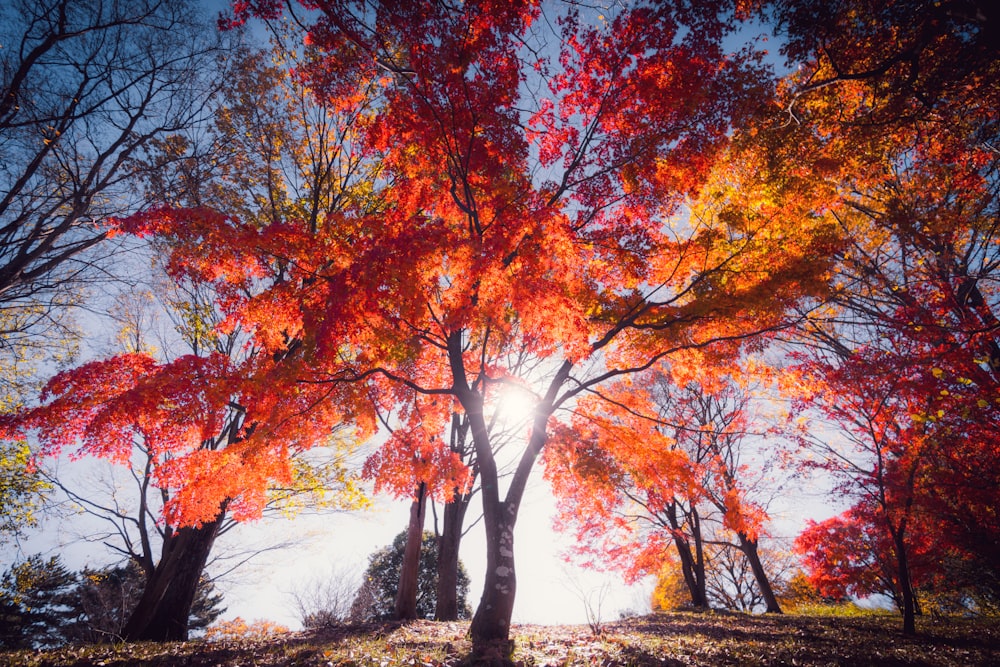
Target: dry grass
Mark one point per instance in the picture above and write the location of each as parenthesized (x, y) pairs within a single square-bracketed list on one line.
[(660, 639)]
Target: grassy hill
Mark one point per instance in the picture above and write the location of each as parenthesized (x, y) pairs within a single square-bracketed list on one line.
[(660, 639)]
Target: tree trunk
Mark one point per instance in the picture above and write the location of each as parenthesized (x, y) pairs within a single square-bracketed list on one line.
[(490, 628), (409, 574), (491, 622), (447, 565), (164, 609), (905, 586), (692, 564), (749, 549)]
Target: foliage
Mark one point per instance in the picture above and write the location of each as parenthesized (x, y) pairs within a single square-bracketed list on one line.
[(518, 227), (22, 489), (237, 629), (375, 600)]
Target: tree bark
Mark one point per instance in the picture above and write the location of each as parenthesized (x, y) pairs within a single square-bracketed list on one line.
[(692, 563), (491, 622), (905, 585), (451, 532), (164, 609), (490, 628), (447, 567), (406, 593), (749, 549)]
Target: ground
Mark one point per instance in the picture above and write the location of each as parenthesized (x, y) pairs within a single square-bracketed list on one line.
[(660, 639)]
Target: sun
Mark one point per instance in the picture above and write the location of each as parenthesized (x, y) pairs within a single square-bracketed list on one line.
[(516, 404)]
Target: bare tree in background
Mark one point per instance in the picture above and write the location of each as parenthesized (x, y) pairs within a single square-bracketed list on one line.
[(85, 85), (325, 601)]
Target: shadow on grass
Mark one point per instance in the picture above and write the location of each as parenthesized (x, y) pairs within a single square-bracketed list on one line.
[(666, 640)]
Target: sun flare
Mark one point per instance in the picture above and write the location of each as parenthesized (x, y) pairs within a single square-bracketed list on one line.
[(516, 404)]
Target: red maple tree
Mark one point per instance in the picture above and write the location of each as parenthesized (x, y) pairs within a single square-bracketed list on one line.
[(901, 101), (527, 201)]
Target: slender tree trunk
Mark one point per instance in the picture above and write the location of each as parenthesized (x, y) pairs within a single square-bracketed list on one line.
[(164, 609), (699, 561), (749, 549), (447, 566), (905, 585), (692, 563), (406, 593)]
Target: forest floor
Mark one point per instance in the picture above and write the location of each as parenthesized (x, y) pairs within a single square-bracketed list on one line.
[(669, 639)]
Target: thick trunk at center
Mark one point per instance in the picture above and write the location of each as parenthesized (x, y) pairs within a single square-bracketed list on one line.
[(409, 574), (491, 623), (492, 619), (164, 609)]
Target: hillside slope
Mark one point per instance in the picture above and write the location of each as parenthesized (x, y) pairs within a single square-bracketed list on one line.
[(660, 639)]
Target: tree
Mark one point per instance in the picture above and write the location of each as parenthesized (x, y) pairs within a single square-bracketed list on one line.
[(730, 582), (179, 421), (723, 419), (43, 604), (900, 437), (452, 528), (108, 596), (896, 105), (376, 599), (524, 203), (21, 489), (37, 603), (103, 408), (98, 408), (85, 87), (734, 584), (408, 579), (884, 462), (848, 556), (913, 306), (919, 59), (690, 464)]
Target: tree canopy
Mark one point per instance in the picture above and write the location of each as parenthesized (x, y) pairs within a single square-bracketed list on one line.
[(411, 209)]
